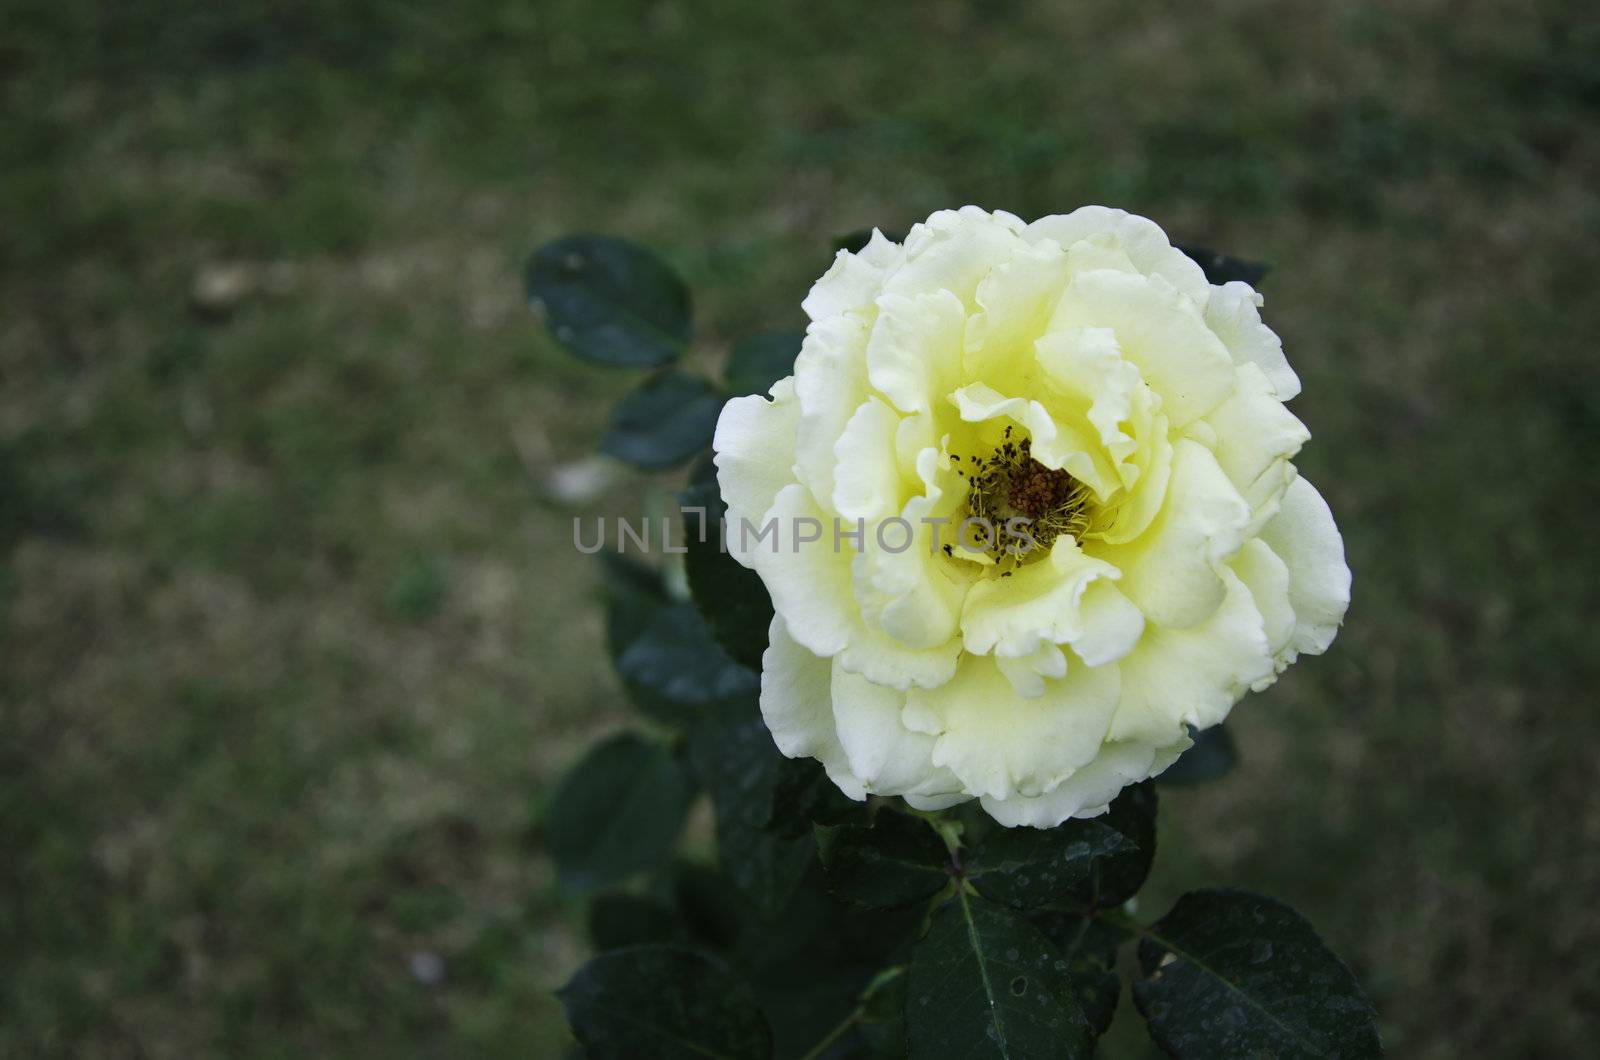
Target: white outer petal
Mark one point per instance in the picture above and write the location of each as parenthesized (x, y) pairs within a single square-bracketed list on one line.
[(1255, 438), (797, 706), (1304, 536), (998, 742), (754, 446), (853, 280), (1234, 316), (1192, 676), (953, 250), (1089, 791), (1140, 238), (830, 380), (889, 758)]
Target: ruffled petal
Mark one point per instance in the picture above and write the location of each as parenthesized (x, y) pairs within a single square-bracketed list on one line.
[(1053, 443), (866, 478), (1017, 299), (953, 250), (998, 743), (1140, 238), (1193, 676), (1038, 604), (853, 280), (1304, 536), (809, 582), (1089, 791), (1086, 365), (1158, 329), (1255, 438), (754, 445), (830, 380), (914, 355), (1171, 571), (1233, 314), (1267, 578), (889, 758), (1028, 671), (1112, 624), (797, 705)]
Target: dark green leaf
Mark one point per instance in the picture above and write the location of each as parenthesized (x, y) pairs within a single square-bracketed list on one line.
[(883, 1014), (1090, 948), (758, 361), (984, 982), (1219, 268), (675, 657), (1026, 868), (895, 861), (1132, 813), (706, 904), (805, 795), (618, 812), (663, 650), (609, 300), (810, 961), (664, 1003), (1213, 755), (765, 866), (665, 422), (1230, 974), (730, 596), (618, 920), (742, 768)]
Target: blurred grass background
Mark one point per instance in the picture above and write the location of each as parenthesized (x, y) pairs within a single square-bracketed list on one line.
[(293, 643)]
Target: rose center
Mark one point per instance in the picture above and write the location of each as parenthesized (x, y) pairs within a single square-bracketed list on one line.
[(1011, 492)]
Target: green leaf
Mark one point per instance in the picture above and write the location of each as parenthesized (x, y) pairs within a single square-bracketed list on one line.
[(1027, 868), (618, 812), (663, 423), (758, 361), (706, 904), (618, 920), (1213, 755), (663, 650), (883, 1013), (742, 768), (610, 301), (984, 982), (1219, 268), (1094, 861), (810, 961), (731, 597), (664, 1003), (675, 657), (1229, 974), (1090, 948), (895, 861), (1132, 813), (805, 795)]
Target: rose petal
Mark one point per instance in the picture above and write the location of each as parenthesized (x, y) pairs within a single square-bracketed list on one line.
[(1304, 536), (999, 743), (797, 705)]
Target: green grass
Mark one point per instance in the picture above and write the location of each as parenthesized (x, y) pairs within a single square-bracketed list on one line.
[(292, 647)]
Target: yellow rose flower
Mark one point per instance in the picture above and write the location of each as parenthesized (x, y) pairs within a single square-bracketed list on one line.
[(1029, 512)]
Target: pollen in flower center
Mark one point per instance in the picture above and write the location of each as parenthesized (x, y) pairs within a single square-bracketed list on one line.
[(1008, 483)]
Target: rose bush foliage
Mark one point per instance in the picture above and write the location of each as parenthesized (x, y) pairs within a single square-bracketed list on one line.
[(1082, 373)]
